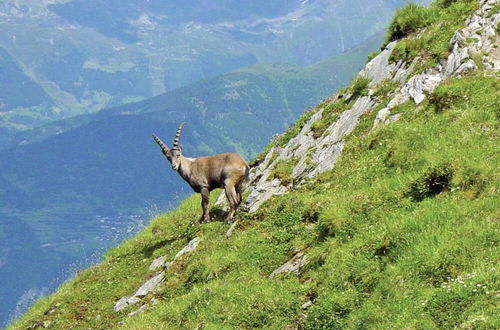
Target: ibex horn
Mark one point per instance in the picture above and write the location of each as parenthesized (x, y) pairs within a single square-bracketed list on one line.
[(162, 145), (177, 135)]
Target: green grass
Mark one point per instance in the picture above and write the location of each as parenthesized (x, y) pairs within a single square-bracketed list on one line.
[(283, 171), (494, 10)]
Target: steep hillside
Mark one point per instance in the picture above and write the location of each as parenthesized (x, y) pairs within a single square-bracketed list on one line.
[(66, 184), (376, 209)]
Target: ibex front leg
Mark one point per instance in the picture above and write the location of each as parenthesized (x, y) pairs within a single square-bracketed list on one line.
[(205, 198)]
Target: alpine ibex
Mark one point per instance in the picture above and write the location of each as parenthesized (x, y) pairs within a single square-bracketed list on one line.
[(204, 174)]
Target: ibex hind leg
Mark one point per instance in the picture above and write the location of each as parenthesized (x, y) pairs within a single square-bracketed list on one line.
[(233, 199), (239, 189), (205, 198)]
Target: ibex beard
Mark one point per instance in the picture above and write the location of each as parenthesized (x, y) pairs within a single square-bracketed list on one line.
[(204, 174)]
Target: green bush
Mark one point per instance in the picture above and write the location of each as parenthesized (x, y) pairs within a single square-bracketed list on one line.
[(283, 171), (359, 87), (433, 182), (444, 3), (409, 19)]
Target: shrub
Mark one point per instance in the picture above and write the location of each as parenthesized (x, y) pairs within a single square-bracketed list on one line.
[(444, 3), (433, 182), (359, 87), (409, 19), (443, 99), (283, 171)]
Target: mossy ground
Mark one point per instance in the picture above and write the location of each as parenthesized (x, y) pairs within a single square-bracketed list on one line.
[(402, 233)]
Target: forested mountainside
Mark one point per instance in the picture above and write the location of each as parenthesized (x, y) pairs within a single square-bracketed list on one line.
[(378, 208), (82, 56)]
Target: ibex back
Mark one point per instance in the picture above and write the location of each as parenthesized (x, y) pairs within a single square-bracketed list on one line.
[(204, 174)]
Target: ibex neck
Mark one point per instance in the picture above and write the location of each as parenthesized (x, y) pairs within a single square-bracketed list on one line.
[(185, 167)]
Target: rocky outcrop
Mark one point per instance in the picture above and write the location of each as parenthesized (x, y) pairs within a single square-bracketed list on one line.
[(476, 42), (318, 154), (315, 154)]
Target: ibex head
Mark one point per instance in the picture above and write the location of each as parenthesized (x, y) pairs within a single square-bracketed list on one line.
[(173, 155)]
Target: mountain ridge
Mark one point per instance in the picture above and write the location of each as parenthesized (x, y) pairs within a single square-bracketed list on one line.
[(83, 70)]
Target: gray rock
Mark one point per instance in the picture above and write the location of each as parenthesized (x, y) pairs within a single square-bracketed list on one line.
[(302, 142), (381, 118), (150, 285), (162, 261), (302, 168), (418, 85), (291, 266), (262, 192), (331, 145), (476, 22), (384, 117), (489, 31), (347, 120), (379, 69), (307, 304), (140, 310), (455, 59), (190, 247), (325, 158), (469, 65), (125, 302), (168, 265), (457, 38), (398, 99), (158, 263), (157, 279), (402, 73)]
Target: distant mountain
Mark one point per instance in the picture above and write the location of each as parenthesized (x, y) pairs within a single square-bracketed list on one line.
[(68, 186), (87, 55), (21, 99)]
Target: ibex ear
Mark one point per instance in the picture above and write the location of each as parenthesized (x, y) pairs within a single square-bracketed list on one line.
[(180, 148)]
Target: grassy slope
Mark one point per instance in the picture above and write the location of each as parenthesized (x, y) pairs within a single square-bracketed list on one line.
[(403, 232), (60, 190)]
